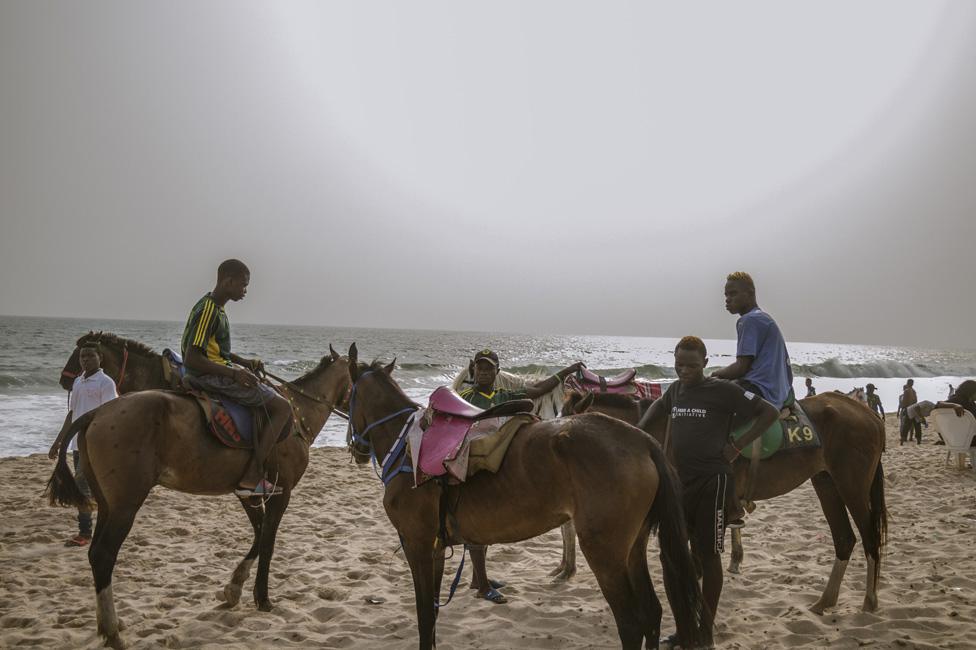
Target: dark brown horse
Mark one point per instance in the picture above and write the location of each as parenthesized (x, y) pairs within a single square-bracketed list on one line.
[(158, 437), (554, 470), (846, 474), (131, 364)]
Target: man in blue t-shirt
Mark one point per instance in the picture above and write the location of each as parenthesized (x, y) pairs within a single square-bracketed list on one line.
[(762, 364)]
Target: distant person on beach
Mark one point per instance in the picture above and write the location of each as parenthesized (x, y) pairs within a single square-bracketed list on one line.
[(207, 355), (874, 401), (701, 412), (482, 393), (811, 391), (909, 425), (762, 364), (91, 389)]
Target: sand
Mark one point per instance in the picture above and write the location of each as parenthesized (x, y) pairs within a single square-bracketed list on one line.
[(336, 548)]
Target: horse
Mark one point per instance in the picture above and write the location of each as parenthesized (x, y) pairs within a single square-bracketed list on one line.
[(620, 406), (157, 437), (846, 473), (554, 470), (131, 364)]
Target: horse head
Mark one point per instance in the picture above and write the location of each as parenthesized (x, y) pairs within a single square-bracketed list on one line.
[(374, 396)]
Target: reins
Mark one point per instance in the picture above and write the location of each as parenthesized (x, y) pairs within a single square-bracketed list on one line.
[(292, 387)]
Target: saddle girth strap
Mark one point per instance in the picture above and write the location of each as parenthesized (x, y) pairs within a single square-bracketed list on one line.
[(753, 470)]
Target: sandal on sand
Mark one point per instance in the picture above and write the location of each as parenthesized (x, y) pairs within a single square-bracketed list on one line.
[(493, 595), (78, 540), (262, 489)]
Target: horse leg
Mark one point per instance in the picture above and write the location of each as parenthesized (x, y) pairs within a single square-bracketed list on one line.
[(274, 509), (113, 528), (648, 604), (866, 504), (737, 553), (231, 593), (609, 558), (421, 562), (841, 532), (567, 565)]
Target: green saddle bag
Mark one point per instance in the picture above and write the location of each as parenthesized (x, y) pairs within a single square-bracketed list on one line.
[(802, 433), (772, 439)]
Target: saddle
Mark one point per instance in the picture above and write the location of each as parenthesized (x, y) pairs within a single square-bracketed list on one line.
[(230, 423), (625, 383), (173, 368), (446, 402), (604, 384), (791, 431), (450, 422)]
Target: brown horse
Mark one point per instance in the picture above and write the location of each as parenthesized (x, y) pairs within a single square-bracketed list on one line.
[(846, 474), (131, 364), (554, 470), (156, 437)]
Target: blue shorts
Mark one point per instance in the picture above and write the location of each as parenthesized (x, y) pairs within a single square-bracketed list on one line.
[(219, 385)]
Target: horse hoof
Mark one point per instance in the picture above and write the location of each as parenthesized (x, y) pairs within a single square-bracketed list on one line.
[(559, 570), (869, 606), (564, 576), (265, 606), (734, 568), (817, 609), (230, 595), (114, 641)]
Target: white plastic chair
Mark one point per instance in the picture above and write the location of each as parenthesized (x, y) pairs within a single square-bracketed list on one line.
[(957, 432)]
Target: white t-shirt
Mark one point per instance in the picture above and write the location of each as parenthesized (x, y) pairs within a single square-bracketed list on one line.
[(88, 393)]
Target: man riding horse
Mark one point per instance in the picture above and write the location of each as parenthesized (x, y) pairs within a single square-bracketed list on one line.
[(215, 369), (762, 364)]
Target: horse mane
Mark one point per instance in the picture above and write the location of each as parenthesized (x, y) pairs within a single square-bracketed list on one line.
[(108, 338)]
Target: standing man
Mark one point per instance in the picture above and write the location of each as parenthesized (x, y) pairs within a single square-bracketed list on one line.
[(811, 391), (207, 355), (874, 401), (91, 389), (483, 394), (909, 425), (701, 411)]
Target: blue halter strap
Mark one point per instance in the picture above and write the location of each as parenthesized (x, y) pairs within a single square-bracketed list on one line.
[(388, 471)]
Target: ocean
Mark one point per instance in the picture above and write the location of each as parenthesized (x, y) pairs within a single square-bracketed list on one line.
[(33, 351)]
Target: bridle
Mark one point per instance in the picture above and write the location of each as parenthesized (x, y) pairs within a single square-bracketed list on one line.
[(387, 469)]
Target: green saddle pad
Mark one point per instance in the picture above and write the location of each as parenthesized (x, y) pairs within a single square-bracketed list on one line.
[(793, 433)]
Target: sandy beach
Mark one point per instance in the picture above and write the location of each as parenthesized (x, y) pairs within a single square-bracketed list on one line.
[(336, 548)]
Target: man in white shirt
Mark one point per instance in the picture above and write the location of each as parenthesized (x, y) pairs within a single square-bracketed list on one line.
[(91, 389)]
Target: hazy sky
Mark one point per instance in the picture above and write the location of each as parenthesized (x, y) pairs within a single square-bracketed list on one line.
[(574, 167)]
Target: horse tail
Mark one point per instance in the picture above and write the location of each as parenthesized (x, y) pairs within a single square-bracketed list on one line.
[(667, 515), (61, 487), (879, 517)]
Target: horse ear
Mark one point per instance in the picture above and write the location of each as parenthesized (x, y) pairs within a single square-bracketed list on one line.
[(584, 404), (335, 355), (353, 362), (388, 368)]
